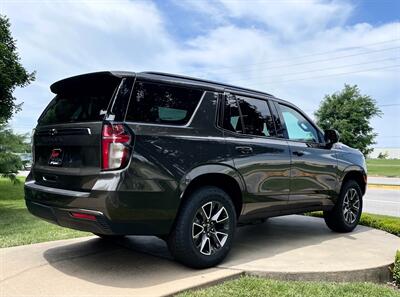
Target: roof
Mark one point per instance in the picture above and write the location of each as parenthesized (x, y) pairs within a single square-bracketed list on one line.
[(55, 87), (198, 81)]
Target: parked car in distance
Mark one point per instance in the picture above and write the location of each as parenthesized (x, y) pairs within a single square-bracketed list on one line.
[(27, 166), (184, 159), (26, 159)]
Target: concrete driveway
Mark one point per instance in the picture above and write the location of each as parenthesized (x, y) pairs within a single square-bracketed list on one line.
[(292, 247)]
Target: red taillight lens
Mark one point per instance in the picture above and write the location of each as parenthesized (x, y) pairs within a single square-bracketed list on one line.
[(84, 216), (115, 146)]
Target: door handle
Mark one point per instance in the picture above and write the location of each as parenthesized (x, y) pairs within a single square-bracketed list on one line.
[(298, 153), (244, 149)]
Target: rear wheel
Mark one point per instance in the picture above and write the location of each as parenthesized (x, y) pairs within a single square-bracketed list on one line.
[(204, 229), (346, 214)]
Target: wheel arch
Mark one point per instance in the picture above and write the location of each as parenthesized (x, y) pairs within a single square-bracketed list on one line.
[(357, 174), (221, 176)]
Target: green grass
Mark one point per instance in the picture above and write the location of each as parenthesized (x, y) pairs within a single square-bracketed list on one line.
[(381, 222), (254, 287), (18, 226), (378, 167)]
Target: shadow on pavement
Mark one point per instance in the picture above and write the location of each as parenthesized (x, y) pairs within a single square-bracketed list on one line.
[(139, 261)]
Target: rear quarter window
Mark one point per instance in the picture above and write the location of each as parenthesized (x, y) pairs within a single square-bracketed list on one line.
[(80, 103), (162, 104)]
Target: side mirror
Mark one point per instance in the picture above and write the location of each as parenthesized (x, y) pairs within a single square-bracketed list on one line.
[(331, 136)]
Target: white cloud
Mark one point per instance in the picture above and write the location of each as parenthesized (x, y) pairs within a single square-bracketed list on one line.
[(266, 45), (291, 19), (64, 38), (256, 59), (88, 34)]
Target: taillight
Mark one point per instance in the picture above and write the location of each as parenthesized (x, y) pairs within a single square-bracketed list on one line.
[(115, 146)]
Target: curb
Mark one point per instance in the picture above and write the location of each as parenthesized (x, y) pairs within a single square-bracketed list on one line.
[(380, 274), (383, 187)]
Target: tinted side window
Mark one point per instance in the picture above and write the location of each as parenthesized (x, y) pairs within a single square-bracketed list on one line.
[(277, 121), (231, 120), (82, 102), (118, 109), (162, 104), (297, 126), (256, 116)]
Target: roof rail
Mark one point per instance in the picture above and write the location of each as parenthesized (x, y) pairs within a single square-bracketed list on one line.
[(204, 81)]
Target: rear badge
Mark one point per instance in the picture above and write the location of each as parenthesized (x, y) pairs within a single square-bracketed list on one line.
[(56, 157)]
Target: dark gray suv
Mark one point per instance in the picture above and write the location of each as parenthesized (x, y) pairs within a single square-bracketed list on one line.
[(184, 159)]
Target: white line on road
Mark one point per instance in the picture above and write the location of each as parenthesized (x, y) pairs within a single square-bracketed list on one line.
[(384, 201)]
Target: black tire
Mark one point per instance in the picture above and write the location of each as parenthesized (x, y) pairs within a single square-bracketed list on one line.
[(109, 237), (186, 234), (340, 220)]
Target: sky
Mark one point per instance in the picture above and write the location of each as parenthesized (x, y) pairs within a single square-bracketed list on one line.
[(298, 50)]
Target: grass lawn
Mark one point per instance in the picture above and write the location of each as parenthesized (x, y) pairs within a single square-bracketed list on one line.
[(381, 222), (379, 167), (254, 287), (18, 226)]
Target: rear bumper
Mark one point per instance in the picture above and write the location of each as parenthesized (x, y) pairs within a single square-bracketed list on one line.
[(115, 212), (64, 218), (33, 186)]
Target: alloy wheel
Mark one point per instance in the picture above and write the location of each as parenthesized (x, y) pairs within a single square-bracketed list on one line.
[(210, 228), (351, 206)]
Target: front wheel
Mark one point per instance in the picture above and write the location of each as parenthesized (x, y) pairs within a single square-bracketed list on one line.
[(204, 229), (346, 214)]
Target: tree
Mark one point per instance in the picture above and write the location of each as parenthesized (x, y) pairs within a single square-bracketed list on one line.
[(350, 112), (383, 156), (10, 144), (12, 73)]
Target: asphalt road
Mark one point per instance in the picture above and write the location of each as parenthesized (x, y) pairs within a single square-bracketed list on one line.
[(384, 180), (386, 202)]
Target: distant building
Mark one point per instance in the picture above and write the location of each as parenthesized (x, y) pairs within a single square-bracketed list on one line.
[(392, 152)]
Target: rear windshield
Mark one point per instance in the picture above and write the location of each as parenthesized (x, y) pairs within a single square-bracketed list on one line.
[(82, 102), (162, 104)]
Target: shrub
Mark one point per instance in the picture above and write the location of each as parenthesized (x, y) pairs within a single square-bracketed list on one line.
[(383, 156), (381, 222), (396, 269), (9, 165)]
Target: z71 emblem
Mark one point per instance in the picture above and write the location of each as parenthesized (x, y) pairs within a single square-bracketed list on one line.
[(56, 157)]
